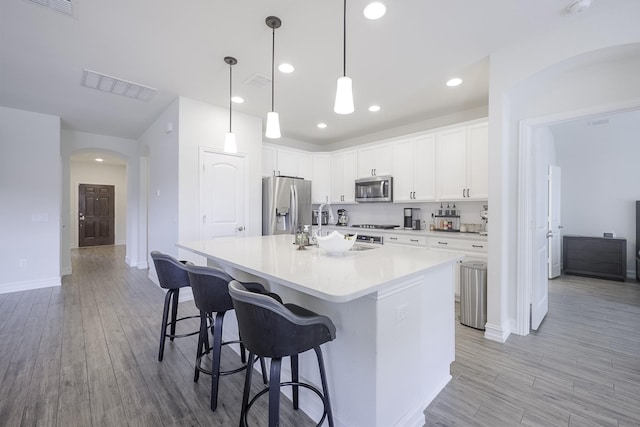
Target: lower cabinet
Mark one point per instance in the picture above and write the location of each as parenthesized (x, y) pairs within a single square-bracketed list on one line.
[(403, 239), (605, 258), (473, 250)]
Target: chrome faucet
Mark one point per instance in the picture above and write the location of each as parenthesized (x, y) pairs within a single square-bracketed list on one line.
[(330, 219)]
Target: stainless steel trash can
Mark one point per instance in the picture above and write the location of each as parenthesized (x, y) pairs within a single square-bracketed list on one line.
[(473, 294)]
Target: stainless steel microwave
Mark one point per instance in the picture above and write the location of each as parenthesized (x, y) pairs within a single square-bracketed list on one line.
[(374, 189)]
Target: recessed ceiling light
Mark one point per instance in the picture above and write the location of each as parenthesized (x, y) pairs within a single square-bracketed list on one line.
[(454, 82), (375, 10), (99, 160), (374, 108), (321, 125), (237, 100), (286, 68)]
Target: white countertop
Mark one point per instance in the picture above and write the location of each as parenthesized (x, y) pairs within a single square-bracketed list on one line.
[(335, 278), (428, 233)]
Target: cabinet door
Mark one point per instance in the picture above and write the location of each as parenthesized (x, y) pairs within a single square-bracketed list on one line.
[(424, 168), (337, 177), (349, 175), (402, 161), (452, 164), (374, 161), (305, 166), (320, 183), (269, 155), (478, 162), (287, 162)]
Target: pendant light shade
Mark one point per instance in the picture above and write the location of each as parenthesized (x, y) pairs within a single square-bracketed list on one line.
[(272, 130), (230, 145), (273, 125), (344, 90)]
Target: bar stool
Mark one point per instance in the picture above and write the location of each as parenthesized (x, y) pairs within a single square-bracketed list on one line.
[(275, 330), (211, 295), (172, 276)]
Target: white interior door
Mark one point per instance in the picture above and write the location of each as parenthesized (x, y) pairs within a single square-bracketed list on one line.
[(540, 281), (555, 229), (222, 195)]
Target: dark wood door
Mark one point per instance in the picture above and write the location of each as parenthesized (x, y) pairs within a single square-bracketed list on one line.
[(96, 215)]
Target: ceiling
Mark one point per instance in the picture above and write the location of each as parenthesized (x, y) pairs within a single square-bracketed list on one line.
[(400, 62)]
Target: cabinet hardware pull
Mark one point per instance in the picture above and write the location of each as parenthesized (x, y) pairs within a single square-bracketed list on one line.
[(463, 193), (442, 243), (414, 240), (393, 238), (468, 193), (477, 246)]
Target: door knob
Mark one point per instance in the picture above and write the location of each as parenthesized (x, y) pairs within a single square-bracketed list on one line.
[(241, 228)]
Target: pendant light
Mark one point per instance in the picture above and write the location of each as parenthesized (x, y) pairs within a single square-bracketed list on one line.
[(273, 120), (229, 138), (344, 91)]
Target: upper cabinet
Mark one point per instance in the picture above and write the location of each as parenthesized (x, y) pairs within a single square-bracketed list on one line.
[(321, 180), (286, 162), (374, 160), (344, 165), (463, 163), (413, 163)]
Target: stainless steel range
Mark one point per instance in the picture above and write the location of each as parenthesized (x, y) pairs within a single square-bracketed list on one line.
[(377, 226)]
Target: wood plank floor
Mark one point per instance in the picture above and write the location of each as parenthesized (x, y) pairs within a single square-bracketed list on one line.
[(85, 354), (581, 368)]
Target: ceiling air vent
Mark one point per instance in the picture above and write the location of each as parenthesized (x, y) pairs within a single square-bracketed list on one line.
[(258, 80), (63, 6), (104, 83)]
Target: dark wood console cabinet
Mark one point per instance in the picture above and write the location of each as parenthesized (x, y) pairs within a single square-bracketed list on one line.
[(595, 257)]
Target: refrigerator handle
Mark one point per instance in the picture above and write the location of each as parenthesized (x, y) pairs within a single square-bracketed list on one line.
[(294, 209)]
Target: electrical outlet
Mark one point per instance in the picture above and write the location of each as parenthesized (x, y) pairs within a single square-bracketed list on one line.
[(401, 312)]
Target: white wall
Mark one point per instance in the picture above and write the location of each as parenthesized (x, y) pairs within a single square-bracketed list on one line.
[(601, 177), (173, 187), (515, 94), (30, 194), (99, 174)]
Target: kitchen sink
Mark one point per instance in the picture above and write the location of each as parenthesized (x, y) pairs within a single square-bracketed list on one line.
[(357, 248)]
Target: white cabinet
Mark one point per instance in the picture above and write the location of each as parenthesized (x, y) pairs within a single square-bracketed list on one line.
[(374, 161), (321, 178), (343, 176), (463, 172), (473, 250), (405, 239), (286, 162), (414, 169)]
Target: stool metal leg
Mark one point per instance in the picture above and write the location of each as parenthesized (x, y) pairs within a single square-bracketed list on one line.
[(203, 341), (215, 362), (174, 312), (247, 391), (294, 378), (325, 388), (274, 392), (163, 329)]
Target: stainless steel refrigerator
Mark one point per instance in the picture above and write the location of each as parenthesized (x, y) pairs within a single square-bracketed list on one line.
[(286, 204)]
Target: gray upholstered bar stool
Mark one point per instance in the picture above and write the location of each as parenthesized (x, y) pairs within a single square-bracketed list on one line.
[(272, 329), (210, 288), (172, 276)]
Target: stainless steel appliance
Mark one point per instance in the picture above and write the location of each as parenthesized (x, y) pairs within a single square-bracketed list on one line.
[(364, 238), (286, 204), (343, 219), (412, 219), (374, 189), (324, 217), (378, 226)]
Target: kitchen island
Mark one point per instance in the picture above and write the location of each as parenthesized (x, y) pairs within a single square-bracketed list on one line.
[(393, 308)]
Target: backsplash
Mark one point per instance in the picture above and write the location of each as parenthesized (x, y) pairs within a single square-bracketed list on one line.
[(393, 213)]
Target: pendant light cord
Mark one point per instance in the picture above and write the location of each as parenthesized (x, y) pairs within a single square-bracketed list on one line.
[(230, 93), (273, 61), (344, 40)]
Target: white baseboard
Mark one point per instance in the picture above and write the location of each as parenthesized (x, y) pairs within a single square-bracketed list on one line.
[(29, 285), (496, 333)]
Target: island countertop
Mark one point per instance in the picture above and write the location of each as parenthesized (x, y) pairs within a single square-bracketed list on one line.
[(334, 278)]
